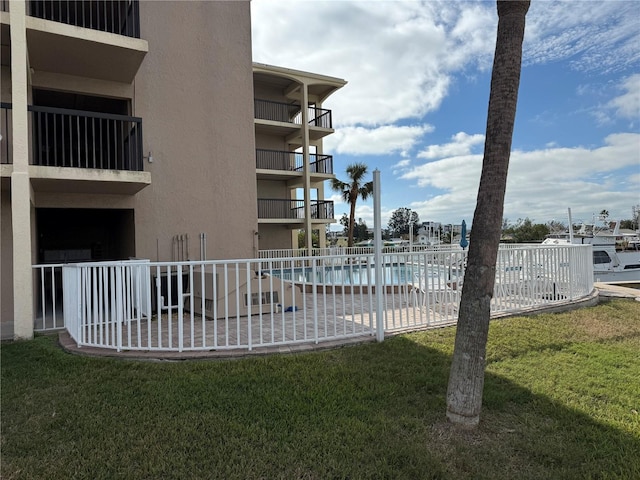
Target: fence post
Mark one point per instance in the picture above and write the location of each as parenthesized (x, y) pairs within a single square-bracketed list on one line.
[(119, 306), (377, 242)]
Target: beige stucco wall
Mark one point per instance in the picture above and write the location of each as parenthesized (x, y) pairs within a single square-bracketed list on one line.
[(271, 142), (273, 189), (84, 85), (275, 236), (265, 92), (194, 93)]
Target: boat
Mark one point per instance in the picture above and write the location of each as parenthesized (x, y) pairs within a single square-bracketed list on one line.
[(610, 264)]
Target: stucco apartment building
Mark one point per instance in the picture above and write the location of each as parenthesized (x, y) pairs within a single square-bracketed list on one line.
[(138, 129)]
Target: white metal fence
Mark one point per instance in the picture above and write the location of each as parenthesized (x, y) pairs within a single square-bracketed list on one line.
[(49, 313), (246, 304)]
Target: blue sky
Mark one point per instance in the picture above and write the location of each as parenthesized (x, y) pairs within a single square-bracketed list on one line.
[(416, 103)]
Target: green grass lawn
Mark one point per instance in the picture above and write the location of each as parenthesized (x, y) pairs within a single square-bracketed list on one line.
[(562, 397)]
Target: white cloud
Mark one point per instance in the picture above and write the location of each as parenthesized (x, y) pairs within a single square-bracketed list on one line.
[(462, 144), (583, 33), (397, 56), (336, 198), (627, 105), (541, 183), (375, 141), (403, 163)]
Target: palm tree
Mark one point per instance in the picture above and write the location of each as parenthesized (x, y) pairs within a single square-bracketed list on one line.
[(466, 378), (352, 190)]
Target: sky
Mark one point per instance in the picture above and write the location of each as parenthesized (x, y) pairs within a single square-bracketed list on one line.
[(415, 105)]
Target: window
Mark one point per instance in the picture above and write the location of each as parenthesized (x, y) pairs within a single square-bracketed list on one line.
[(600, 256)]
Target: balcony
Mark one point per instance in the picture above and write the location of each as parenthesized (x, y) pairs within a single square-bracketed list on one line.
[(113, 16), (96, 39), (274, 163), (74, 138), (286, 118), (81, 152), (292, 211)]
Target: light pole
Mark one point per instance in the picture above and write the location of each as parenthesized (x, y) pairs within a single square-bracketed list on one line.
[(410, 232)]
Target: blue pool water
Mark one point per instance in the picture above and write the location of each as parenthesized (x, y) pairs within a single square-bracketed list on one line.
[(396, 273)]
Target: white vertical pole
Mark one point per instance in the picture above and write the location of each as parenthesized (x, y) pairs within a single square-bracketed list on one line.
[(570, 227), (410, 231), (377, 248)]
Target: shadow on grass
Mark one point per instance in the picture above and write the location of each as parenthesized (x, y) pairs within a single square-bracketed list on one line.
[(372, 411)]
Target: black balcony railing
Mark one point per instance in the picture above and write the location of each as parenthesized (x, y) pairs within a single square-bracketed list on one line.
[(283, 160), (121, 17), (293, 209), (278, 160), (73, 138), (291, 113), (277, 111), (320, 117), (6, 155), (320, 163)]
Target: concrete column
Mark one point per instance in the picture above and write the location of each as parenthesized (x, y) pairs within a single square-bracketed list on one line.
[(322, 228), (307, 177), (20, 182)]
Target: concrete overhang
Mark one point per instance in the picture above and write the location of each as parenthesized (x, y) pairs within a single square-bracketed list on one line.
[(67, 49), (83, 180), (290, 81), (266, 174), (272, 127), (282, 221)]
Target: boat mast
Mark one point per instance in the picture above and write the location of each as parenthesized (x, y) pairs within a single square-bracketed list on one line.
[(570, 227)]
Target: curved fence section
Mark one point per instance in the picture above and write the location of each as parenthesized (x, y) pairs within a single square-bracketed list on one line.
[(266, 302)]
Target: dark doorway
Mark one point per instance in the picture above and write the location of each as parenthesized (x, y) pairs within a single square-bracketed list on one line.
[(83, 235)]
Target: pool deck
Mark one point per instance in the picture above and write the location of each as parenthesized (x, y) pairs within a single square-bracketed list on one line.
[(601, 291)]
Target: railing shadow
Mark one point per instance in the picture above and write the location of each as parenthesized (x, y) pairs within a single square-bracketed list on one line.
[(528, 434)]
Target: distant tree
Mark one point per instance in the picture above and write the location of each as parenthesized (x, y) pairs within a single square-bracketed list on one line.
[(604, 215), (526, 231), (466, 378), (555, 226), (344, 221), (400, 221), (627, 224), (355, 188), (635, 216), (302, 239), (361, 231)]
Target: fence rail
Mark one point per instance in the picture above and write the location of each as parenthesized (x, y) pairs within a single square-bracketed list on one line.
[(246, 304), (113, 16)]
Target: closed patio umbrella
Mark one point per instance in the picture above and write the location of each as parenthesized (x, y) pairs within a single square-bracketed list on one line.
[(463, 235)]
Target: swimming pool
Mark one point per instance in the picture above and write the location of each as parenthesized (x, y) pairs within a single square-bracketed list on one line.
[(363, 274)]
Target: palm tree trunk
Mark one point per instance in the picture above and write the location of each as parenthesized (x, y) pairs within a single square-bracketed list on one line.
[(352, 220), (466, 379)]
